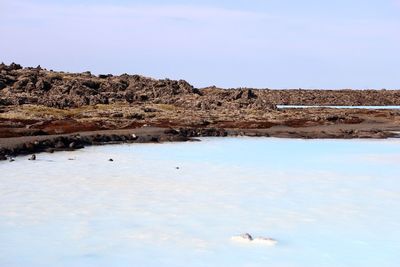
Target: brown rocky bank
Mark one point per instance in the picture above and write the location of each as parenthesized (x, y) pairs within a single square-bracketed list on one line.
[(37, 102)]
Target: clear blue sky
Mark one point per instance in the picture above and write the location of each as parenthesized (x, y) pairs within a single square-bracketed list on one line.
[(254, 43)]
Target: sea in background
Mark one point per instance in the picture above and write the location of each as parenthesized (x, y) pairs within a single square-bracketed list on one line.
[(327, 203)]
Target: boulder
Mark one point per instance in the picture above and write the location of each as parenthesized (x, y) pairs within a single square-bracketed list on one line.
[(75, 145), (59, 145)]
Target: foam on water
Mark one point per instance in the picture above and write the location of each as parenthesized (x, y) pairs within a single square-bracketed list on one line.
[(327, 203)]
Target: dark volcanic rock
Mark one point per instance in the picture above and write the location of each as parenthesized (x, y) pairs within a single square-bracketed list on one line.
[(64, 90), (75, 145), (133, 101), (2, 84)]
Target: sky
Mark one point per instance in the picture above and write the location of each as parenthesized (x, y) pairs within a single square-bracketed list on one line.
[(242, 43)]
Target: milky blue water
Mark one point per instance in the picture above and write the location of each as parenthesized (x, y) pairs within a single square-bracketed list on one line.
[(336, 107), (327, 202)]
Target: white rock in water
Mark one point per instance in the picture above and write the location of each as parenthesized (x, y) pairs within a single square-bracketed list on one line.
[(247, 238), (242, 238), (265, 241)]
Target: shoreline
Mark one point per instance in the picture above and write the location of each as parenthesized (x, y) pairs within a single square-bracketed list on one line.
[(45, 110), (16, 146)]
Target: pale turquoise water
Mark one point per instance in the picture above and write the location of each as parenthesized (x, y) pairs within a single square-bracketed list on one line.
[(328, 203), (336, 107)]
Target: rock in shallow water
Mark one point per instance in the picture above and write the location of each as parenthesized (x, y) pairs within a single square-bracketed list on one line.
[(243, 238), (247, 238)]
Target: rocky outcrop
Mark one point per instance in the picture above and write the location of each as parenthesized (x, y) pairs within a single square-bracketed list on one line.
[(345, 97), (64, 90), (20, 85), (68, 90), (51, 144), (39, 102)]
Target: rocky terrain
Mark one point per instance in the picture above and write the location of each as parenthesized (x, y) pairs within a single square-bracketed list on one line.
[(39, 102)]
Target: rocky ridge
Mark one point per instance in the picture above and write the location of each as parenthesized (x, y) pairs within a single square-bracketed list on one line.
[(39, 86), (35, 102)]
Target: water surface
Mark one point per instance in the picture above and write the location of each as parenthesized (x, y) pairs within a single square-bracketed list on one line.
[(338, 107), (328, 203)]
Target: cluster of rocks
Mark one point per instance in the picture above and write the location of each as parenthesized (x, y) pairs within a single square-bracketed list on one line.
[(20, 85), (134, 101), (73, 142), (346, 97), (47, 145), (203, 132), (271, 97), (65, 90), (77, 141)]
